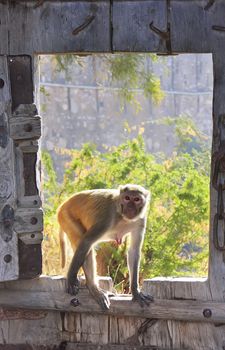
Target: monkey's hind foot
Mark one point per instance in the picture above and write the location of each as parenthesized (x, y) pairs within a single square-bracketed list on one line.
[(143, 299), (100, 297), (73, 286), (107, 292)]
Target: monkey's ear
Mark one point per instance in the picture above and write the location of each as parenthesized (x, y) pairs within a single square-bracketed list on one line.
[(147, 194), (123, 188)]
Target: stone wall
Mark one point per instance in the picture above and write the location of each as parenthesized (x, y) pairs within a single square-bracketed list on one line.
[(81, 105)]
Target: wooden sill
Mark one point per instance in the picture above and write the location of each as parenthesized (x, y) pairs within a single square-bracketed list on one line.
[(48, 294)]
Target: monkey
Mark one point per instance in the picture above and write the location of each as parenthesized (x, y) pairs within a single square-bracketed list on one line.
[(93, 216)]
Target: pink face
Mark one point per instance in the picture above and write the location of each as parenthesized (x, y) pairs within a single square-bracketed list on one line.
[(131, 203)]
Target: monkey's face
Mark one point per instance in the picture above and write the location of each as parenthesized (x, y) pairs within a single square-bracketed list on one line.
[(132, 203)]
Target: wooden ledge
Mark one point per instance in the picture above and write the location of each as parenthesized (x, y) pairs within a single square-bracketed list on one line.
[(185, 310), (121, 305)]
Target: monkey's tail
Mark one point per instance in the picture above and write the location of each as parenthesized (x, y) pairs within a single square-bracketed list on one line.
[(62, 243)]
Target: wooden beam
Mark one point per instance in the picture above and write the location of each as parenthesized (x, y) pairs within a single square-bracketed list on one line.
[(54, 27), (183, 310), (85, 26), (80, 346), (197, 27), (131, 22)]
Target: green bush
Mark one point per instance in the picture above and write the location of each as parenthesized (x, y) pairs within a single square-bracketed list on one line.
[(176, 241)]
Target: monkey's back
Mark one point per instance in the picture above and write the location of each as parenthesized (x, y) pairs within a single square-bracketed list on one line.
[(85, 206)]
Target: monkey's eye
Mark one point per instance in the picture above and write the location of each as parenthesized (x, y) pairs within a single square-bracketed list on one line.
[(127, 198), (136, 199)]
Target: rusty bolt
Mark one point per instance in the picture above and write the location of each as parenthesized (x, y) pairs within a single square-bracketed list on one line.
[(7, 258), (33, 220), (207, 313), (28, 127), (75, 302)]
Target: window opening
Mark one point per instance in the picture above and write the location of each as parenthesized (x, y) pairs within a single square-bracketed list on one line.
[(101, 128)]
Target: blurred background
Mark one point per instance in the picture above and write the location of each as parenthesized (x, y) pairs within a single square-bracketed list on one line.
[(141, 118)]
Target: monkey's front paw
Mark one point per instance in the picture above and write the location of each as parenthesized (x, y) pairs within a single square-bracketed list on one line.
[(142, 299), (73, 286), (101, 298)]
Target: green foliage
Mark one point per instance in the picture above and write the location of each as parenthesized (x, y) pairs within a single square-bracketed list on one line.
[(63, 62), (189, 137), (127, 70), (176, 242)]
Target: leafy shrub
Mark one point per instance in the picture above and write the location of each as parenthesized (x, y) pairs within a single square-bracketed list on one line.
[(176, 241)]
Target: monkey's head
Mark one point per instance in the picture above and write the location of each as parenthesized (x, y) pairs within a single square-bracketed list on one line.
[(133, 201)]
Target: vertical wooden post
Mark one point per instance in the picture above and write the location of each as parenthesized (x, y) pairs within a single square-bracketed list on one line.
[(9, 268), (21, 221), (217, 221), (25, 130)]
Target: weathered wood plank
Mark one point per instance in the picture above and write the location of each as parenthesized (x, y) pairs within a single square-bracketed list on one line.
[(98, 26), (53, 283), (92, 331), (4, 32), (81, 346), (43, 332), (192, 26), (131, 25), (185, 335), (126, 329), (25, 128), (72, 327), (190, 335), (178, 288), (216, 257), (21, 82), (127, 332), (26, 174), (185, 310), (31, 238), (58, 26), (189, 27), (8, 238), (28, 220), (26, 109), (30, 259)]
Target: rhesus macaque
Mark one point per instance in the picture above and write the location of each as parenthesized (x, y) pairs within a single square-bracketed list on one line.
[(94, 216)]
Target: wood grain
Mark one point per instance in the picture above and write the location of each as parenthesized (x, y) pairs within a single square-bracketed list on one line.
[(129, 332), (53, 27), (104, 26), (185, 310), (22, 128), (131, 25), (192, 26), (28, 220), (8, 250), (216, 257)]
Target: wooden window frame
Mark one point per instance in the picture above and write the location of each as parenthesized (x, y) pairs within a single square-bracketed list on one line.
[(166, 27)]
